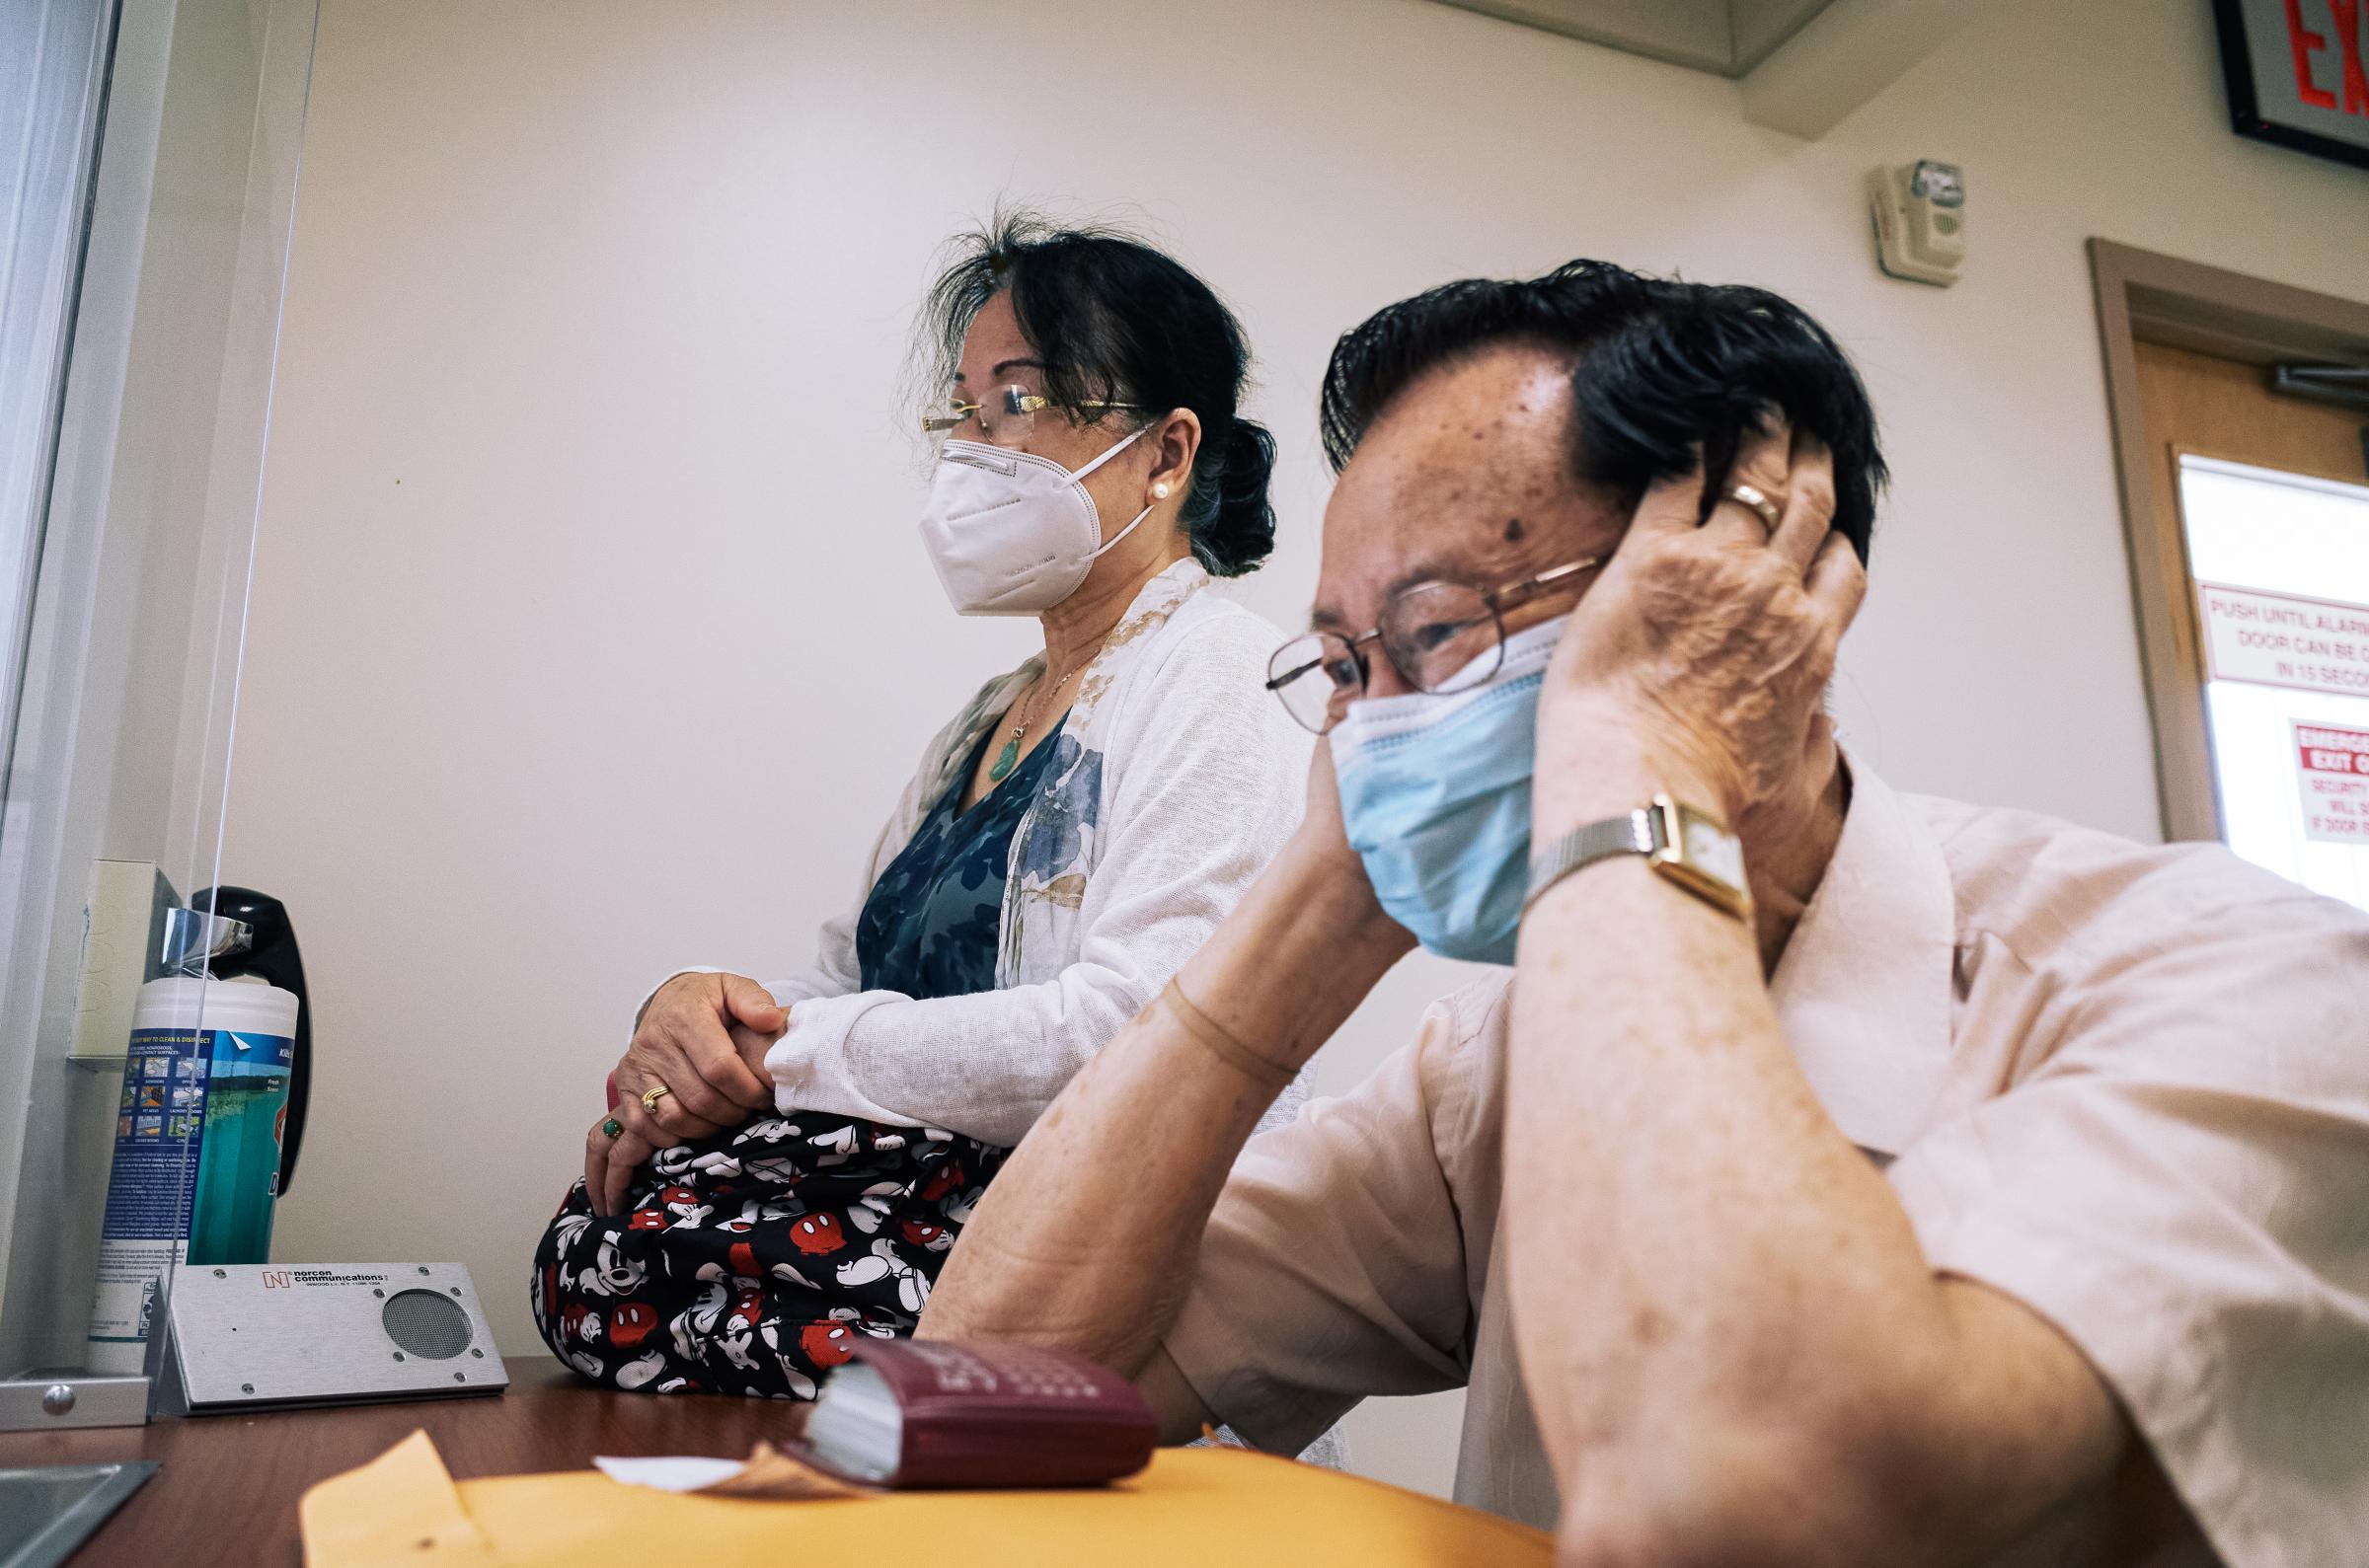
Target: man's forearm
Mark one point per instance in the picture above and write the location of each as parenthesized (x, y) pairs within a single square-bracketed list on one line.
[(1087, 1237), (1653, 1100), (1729, 1325)]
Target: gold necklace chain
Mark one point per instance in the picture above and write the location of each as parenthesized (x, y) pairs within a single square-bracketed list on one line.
[(1009, 758)]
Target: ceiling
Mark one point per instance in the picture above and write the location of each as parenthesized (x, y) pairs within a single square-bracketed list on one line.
[(1727, 37)]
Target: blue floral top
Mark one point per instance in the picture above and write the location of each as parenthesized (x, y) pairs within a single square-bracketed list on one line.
[(932, 923)]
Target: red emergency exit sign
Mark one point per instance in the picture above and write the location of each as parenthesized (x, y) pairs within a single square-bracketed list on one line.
[(2298, 73)]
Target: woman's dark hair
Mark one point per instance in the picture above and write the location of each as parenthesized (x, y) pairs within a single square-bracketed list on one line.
[(1115, 320), (1665, 371)]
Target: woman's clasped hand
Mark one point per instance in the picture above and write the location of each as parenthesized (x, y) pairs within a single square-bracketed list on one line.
[(702, 1040)]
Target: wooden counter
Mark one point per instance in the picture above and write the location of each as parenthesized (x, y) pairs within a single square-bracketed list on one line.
[(227, 1489)]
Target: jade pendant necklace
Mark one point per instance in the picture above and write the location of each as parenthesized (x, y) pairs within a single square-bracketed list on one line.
[(1009, 758)]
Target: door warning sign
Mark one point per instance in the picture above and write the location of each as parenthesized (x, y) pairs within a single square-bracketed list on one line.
[(2277, 640), (2333, 766)]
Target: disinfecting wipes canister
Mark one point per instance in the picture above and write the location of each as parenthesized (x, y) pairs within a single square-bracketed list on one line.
[(205, 1095)]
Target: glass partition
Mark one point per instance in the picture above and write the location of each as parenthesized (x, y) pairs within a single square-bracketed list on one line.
[(143, 1091)]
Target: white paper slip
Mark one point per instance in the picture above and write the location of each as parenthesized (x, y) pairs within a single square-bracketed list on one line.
[(679, 1472)]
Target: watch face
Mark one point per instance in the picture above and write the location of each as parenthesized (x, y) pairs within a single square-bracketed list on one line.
[(1710, 849)]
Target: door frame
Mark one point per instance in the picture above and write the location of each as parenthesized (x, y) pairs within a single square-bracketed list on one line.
[(2147, 297)]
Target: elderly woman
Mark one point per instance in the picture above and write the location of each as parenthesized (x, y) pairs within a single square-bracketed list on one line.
[(782, 1166)]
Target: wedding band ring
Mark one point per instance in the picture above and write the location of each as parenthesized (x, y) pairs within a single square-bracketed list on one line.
[(651, 1096), (1756, 498)]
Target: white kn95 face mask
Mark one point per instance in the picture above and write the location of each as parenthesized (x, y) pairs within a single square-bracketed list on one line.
[(1011, 533)]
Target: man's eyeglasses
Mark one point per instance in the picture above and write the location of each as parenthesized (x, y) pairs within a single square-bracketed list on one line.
[(1440, 636), (1007, 416)]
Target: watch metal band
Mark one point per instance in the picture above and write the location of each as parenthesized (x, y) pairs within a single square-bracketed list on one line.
[(1683, 846), (1638, 833)]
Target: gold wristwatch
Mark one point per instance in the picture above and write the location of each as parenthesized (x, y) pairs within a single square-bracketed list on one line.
[(1691, 848)]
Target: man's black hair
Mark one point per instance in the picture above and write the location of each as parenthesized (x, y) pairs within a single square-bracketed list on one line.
[(1665, 372)]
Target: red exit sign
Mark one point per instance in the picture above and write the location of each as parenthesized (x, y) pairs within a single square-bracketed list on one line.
[(2298, 73)]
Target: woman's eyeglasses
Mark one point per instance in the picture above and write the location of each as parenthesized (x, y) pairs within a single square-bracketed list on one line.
[(1007, 416), (1440, 636)]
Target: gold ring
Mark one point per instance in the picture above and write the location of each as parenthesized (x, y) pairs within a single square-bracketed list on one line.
[(1754, 497), (651, 1096)]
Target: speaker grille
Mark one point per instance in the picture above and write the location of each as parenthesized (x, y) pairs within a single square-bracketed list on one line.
[(425, 1324)]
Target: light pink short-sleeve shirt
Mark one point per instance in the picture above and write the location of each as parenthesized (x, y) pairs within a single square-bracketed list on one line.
[(2127, 1085)]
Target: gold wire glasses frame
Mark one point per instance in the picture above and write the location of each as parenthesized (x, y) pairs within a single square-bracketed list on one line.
[(1011, 417), (1440, 636)]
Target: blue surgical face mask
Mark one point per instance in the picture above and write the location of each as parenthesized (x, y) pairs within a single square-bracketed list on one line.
[(1435, 795)]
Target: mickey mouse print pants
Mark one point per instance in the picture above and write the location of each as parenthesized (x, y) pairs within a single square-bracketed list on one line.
[(747, 1262)]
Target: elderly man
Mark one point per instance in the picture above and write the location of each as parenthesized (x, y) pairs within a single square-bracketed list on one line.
[(1892, 1181)]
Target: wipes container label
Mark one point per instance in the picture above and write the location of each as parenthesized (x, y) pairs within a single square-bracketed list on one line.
[(196, 1167)]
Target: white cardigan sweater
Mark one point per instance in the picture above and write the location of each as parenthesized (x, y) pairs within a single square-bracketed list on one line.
[(1177, 780)]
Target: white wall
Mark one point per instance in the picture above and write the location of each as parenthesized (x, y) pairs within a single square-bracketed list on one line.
[(591, 634)]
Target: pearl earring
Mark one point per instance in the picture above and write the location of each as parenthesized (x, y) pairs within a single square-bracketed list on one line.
[(1160, 490)]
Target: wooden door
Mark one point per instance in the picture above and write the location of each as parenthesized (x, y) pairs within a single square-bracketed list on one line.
[(2260, 525)]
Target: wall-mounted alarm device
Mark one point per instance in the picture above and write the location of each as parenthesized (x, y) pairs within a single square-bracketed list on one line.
[(264, 1335), (1920, 212)]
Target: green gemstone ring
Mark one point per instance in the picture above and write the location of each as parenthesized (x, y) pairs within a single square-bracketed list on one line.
[(612, 1127)]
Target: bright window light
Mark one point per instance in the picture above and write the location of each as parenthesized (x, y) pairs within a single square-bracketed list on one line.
[(2281, 565)]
